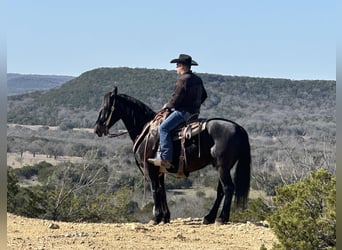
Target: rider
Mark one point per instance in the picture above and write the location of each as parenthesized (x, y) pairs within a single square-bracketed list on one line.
[(186, 100)]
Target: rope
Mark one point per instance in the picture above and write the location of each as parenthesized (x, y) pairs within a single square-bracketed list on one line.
[(145, 167)]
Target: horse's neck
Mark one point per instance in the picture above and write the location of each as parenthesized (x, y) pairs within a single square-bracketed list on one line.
[(135, 118), (133, 129)]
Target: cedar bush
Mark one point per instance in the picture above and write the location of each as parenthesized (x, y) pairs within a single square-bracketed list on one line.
[(256, 212), (305, 217)]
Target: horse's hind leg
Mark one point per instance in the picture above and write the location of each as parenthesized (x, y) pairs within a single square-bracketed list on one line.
[(228, 190), (210, 218)]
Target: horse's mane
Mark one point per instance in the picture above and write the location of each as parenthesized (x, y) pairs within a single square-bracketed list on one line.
[(132, 102)]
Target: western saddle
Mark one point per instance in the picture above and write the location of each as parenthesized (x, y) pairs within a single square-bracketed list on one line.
[(192, 127)]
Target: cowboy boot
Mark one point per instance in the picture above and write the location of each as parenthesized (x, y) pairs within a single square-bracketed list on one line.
[(159, 162)]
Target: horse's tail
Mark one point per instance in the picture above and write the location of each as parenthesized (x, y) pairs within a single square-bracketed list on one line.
[(243, 171)]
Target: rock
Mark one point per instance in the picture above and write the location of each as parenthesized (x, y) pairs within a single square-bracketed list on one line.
[(53, 226), (138, 227), (180, 237)]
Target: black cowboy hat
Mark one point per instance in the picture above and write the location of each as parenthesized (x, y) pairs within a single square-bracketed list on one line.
[(184, 59)]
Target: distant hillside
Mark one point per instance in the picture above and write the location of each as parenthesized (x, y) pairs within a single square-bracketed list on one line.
[(24, 83), (262, 105)]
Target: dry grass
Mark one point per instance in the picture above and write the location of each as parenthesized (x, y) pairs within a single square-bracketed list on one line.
[(14, 160)]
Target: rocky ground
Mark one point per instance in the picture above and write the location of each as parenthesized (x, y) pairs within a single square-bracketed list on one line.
[(189, 233)]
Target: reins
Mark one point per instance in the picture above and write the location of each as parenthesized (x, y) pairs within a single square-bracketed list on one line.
[(122, 132)]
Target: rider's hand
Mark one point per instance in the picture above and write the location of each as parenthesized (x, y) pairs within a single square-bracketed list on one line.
[(164, 107)]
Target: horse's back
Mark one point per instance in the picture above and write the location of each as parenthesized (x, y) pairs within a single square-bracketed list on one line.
[(229, 138), (219, 127)]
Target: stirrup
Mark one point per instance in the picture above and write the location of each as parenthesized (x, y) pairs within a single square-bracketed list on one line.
[(155, 161), (158, 162), (181, 175)]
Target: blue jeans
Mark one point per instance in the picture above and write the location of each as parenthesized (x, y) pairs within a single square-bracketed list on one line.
[(172, 121)]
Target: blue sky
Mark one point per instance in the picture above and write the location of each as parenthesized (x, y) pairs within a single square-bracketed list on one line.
[(264, 38)]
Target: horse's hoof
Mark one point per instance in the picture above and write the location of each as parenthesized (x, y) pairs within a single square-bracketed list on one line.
[(220, 221), (152, 223), (166, 221), (205, 221)]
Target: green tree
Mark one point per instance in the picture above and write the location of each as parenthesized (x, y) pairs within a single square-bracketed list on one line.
[(257, 211), (124, 206), (30, 202), (12, 189), (72, 180), (306, 213)]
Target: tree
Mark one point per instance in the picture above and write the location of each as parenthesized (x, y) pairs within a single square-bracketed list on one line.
[(124, 206), (305, 217), (72, 181), (29, 202), (12, 189)]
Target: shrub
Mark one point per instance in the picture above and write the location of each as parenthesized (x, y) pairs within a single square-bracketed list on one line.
[(67, 126), (174, 183), (200, 194), (257, 211), (124, 207), (12, 189), (26, 172), (306, 213), (29, 171)]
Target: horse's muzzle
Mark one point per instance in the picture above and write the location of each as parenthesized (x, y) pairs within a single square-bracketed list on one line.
[(100, 130)]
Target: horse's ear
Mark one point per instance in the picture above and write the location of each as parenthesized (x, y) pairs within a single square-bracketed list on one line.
[(115, 91)]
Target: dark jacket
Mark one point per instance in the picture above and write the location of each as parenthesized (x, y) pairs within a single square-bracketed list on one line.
[(189, 93)]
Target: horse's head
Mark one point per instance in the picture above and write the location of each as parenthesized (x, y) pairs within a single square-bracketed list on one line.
[(108, 114)]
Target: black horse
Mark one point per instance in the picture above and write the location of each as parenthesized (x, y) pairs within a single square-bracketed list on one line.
[(223, 144)]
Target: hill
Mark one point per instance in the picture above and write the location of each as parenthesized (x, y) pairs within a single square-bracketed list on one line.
[(27, 233), (24, 83), (262, 105), (291, 124), (292, 128)]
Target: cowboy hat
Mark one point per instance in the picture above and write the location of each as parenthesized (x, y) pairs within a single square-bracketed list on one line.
[(184, 59)]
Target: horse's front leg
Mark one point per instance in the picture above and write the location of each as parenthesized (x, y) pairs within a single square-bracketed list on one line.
[(157, 208), (163, 201), (160, 210)]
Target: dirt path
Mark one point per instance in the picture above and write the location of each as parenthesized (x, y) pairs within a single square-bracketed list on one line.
[(26, 233)]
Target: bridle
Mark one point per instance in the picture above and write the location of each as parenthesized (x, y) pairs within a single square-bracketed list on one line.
[(106, 123), (107, 120)]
